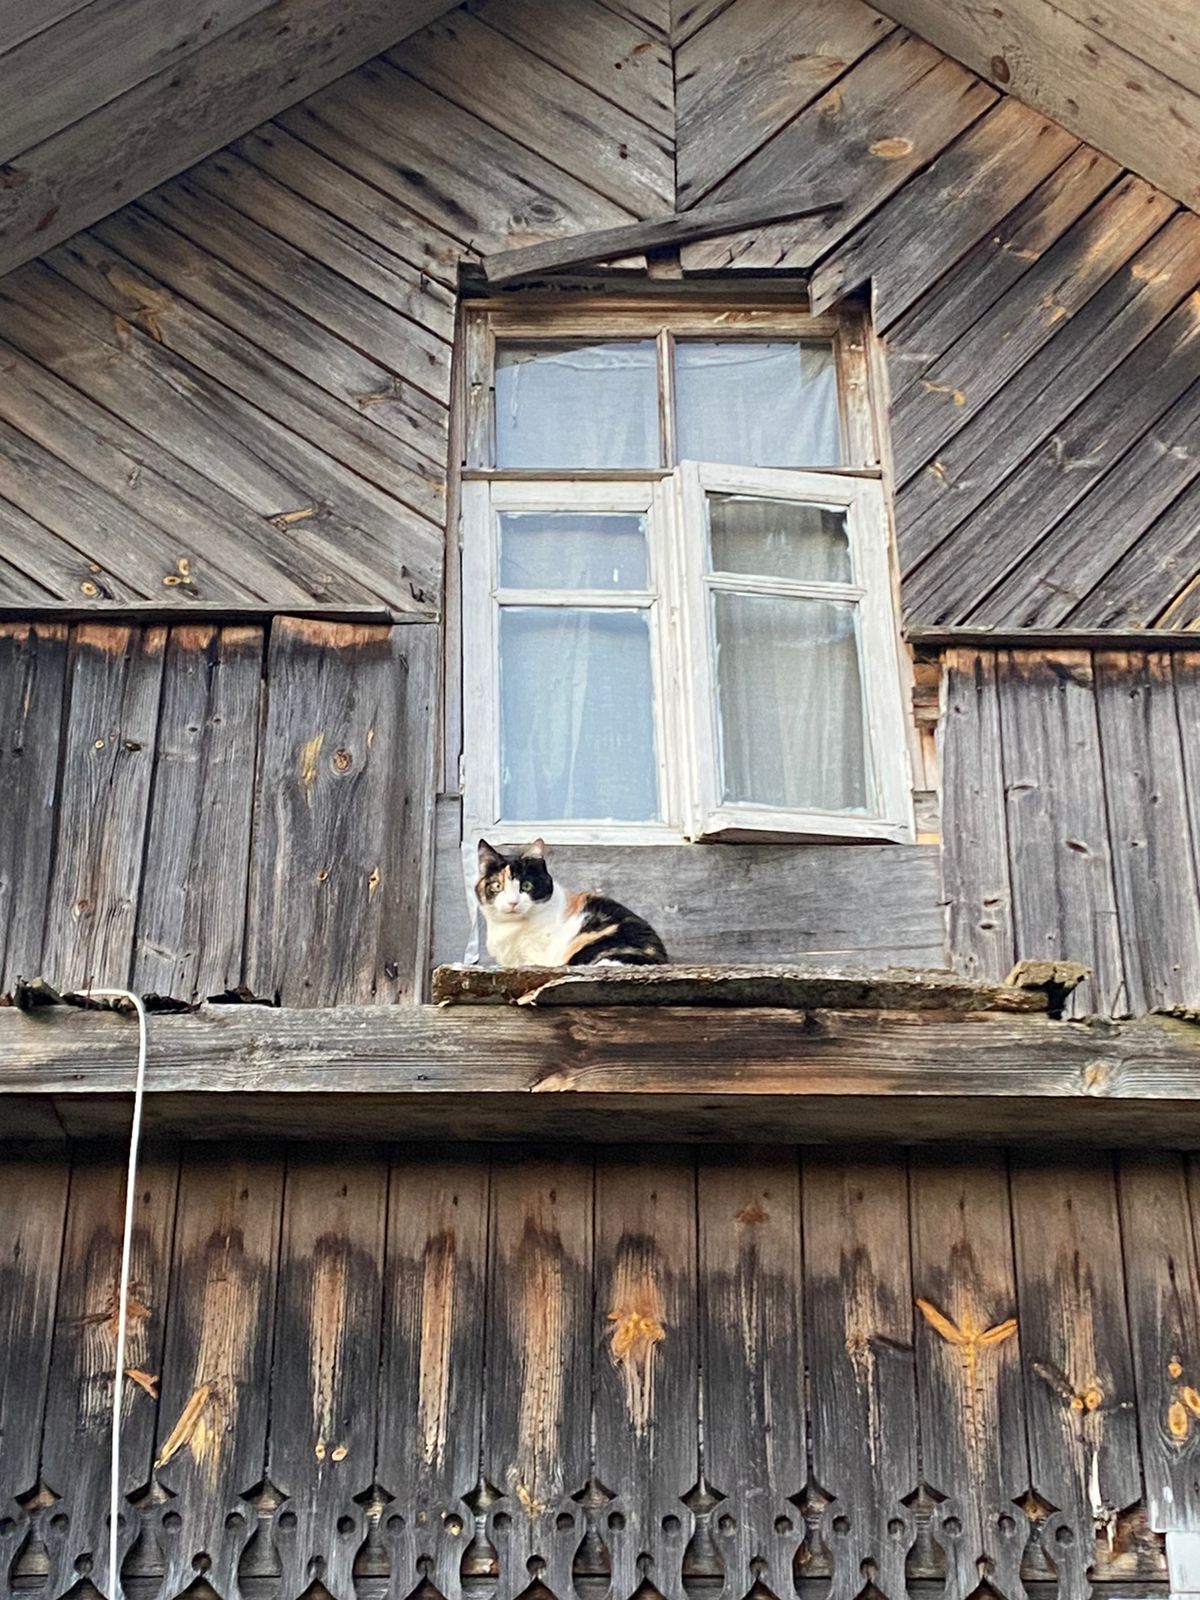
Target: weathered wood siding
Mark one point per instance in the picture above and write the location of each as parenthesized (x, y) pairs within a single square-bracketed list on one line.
[(1069, 812), (385, 1364), (195, 808), (1039, 307)]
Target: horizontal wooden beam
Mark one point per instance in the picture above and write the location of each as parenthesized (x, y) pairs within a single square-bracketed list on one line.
[(682, 227), (689, 1073), (934, 639), (142, 612)]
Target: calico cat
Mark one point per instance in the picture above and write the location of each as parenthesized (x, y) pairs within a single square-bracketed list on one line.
[(532, 921)]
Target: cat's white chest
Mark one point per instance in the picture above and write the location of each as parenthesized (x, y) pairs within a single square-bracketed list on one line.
[(541, 940)]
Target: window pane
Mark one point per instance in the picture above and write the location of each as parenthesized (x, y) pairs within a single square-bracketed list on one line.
[(573, 550), (576, 715), (791, 702), (577, 405), (778, 539), (756, 403)]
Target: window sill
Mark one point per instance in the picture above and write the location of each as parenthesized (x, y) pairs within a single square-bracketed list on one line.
[(896, 1059)]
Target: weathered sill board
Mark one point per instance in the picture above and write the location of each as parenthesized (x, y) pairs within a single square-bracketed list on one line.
[(684, 1073), (681, 984)]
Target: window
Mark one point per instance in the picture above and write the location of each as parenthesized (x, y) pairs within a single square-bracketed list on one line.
[(677, 598)]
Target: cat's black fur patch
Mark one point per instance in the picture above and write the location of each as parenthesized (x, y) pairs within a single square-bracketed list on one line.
[(632, 941)]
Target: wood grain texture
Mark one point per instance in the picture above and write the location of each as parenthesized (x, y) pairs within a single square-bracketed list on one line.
[(858, 1297), (214, 1392), (192, 906), (115, 678), (340, 877), (184, 111), (1045, 55), (33, 672), (1060, 855)]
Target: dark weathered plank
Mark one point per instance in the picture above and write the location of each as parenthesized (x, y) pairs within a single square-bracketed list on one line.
[(1078, 1367), (955, 386), (33, 667), (899, 106), (1040, 397), (216, 1368), (180, 114), (446, 163), (33, 1200), (858, 1308), (975, 860), (536, 103), (1164, 563), (754, 67), (622, 58), (964, 292), (1063, 901), (644, 1354), (1153, 862), (537, 1408), (324, 1384), (1162, 1293), (431, 1376), (108, 745), (35, 558), (971, 1397), (764, 1074), (340, 877), (969, 189), (751, 1360), (192, 907), (681, 228), (873, 906), (78, 1428)]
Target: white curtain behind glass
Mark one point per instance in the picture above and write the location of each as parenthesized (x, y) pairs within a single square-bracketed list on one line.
[(757, 404), (577, 405)]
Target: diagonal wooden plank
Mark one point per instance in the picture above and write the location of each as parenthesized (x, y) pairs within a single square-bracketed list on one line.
[(1155, 583), (1041, 396), (464, 60), (970, 188), (192, 907), (184, 113), (750, 70), (888, 117)]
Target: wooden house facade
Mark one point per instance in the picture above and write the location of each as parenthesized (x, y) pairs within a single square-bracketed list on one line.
[(854, 1254)]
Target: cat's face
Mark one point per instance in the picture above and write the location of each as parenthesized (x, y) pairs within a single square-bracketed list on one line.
[(513, 884)]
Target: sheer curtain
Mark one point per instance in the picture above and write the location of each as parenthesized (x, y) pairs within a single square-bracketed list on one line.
[(753, 403), (577, 405)]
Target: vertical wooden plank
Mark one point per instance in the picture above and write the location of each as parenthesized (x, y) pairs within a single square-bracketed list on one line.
[(1154, 869), (33, 666), (341, 862), (752, 1362), (431, 1382), (216, 1371), (324, 1388), (108, 757), (975, 872), (192, 913), (1078, 1367), (972, 1404), (33, 1202), (645, 1381), (536, 1433), (1064, 902), (1162, 1291), (858, 1300), (1185, 673), (75, 1452)]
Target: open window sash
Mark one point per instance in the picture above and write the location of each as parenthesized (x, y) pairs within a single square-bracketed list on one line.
[(780, 609)]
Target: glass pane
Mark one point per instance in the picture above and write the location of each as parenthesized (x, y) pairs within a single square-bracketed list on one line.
[(756, 403), (576, 715), (791, 702), (778, 539), (577, 405), (573, 550)]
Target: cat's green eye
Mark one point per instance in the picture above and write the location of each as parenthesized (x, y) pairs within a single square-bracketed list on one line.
[(527, 886)]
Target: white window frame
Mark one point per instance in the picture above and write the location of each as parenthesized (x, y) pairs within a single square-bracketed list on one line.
[(672, 499)]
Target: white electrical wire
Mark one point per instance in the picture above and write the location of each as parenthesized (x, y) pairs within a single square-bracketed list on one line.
[(135, 1135)]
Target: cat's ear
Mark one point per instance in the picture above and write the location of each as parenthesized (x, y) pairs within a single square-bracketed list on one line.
[(537, 850), (489, 857)]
